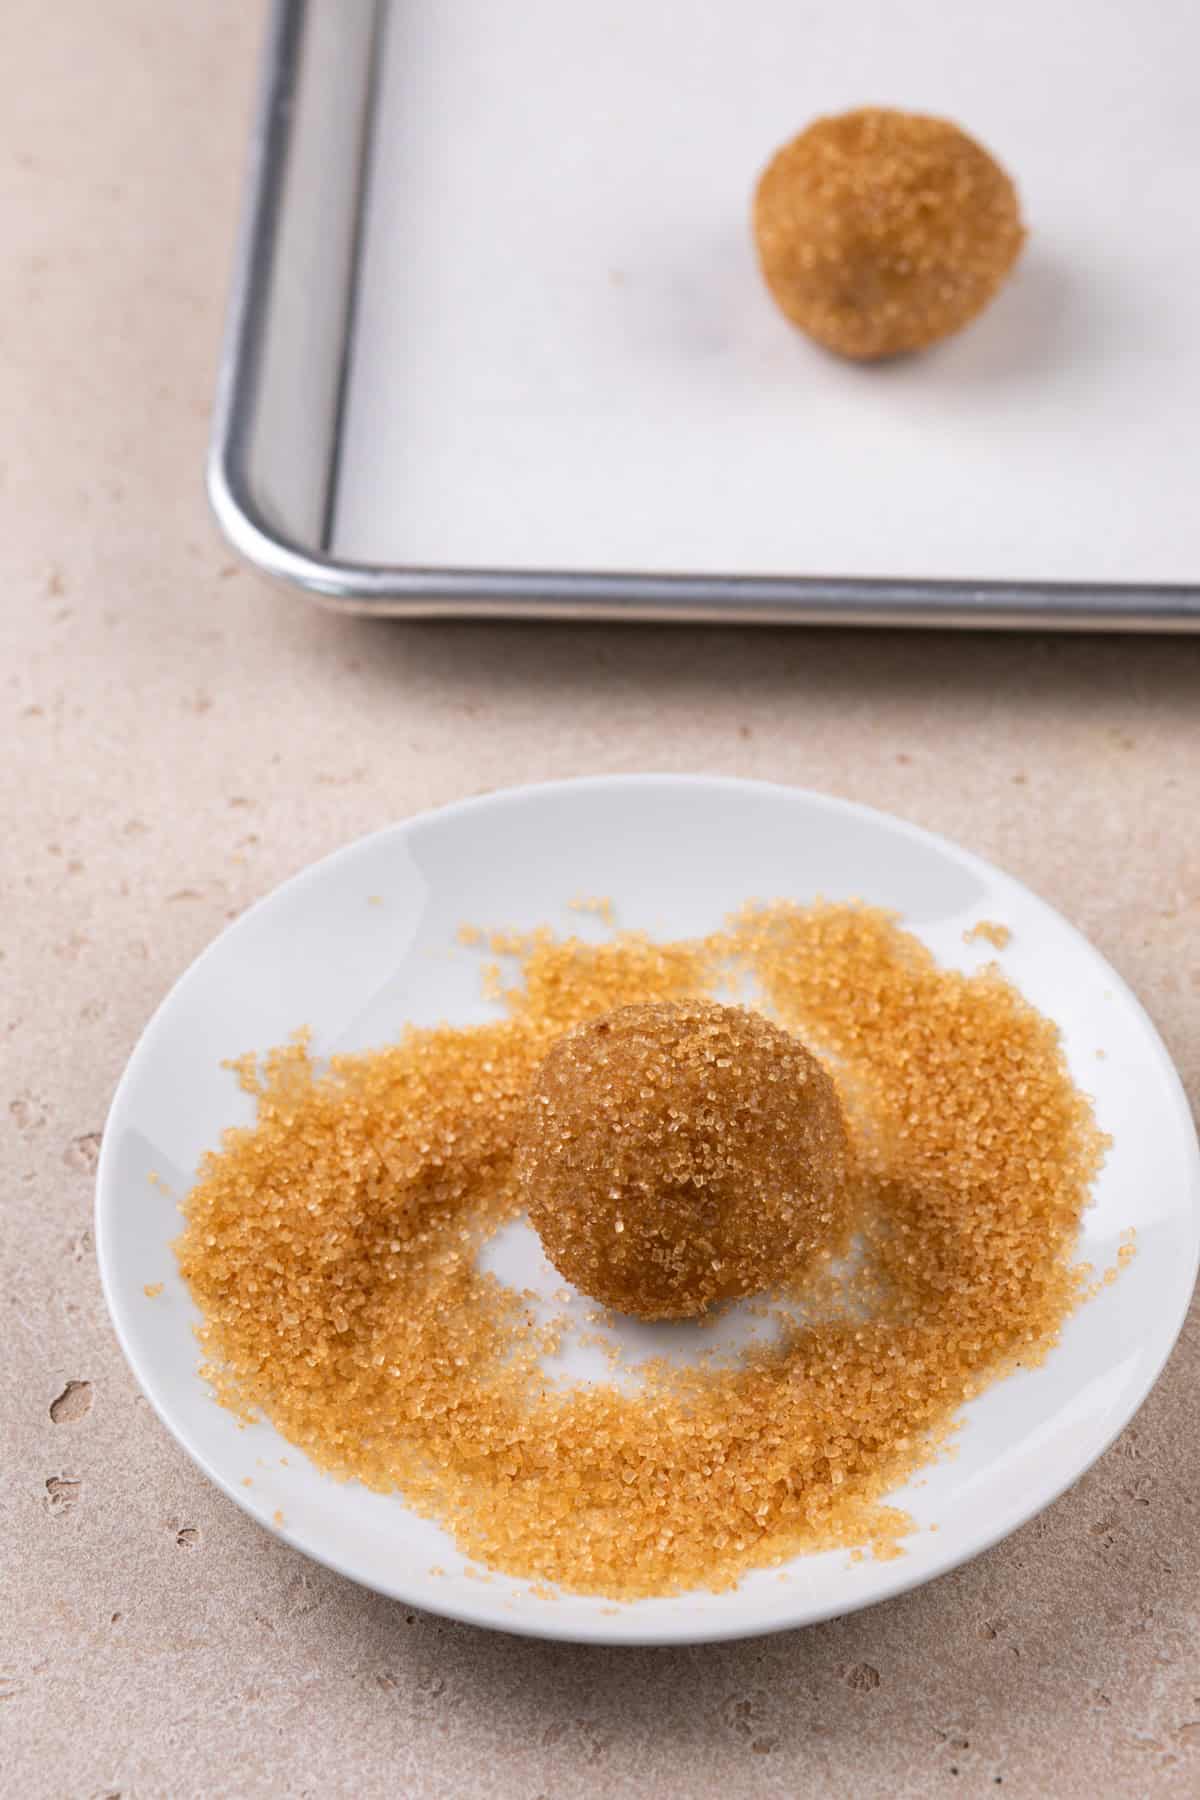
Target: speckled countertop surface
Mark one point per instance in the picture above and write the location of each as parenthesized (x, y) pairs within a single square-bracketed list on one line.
[(177, 738)]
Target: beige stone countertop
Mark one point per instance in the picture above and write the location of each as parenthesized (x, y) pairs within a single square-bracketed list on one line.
[(177, 738)]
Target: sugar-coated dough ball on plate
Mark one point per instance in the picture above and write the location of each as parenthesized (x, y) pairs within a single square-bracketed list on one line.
[(675, 1155)]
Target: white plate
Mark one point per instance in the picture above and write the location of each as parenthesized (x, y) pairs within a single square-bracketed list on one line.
[(364, 941)]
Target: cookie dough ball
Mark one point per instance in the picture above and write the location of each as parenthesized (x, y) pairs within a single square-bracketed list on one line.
[(880, 232), (677, 1155)]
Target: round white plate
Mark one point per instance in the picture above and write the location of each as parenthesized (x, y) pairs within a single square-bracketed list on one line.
[(365, 941)]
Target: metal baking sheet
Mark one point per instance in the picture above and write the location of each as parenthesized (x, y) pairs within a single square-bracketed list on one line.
[(498, 346)]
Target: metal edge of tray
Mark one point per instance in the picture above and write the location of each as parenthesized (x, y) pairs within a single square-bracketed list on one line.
[(568, 594)]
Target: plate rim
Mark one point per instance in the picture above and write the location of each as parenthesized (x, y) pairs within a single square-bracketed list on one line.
[(620, 1631)]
